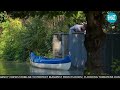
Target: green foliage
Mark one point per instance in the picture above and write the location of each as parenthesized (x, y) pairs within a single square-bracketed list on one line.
[(68, 21), (3, 16), (18, 39), (38, 37), (50, 14), (11, 48), (115, 66), (79, 17), (20, 36), (76, 17)]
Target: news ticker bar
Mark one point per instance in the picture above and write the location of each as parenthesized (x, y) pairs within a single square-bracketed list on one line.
[(60, 76)]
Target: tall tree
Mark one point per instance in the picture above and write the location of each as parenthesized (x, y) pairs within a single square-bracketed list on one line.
[(93, 41)]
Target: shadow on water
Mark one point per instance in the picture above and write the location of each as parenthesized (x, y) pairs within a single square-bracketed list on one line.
[(15, 68)]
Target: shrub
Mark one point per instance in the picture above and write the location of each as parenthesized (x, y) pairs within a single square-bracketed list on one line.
[(115, 66)]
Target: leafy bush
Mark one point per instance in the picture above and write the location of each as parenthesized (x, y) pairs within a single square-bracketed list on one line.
[(3, 16), (10, 40), (20, 36), (18, 39), (38, 37), (115, 66)]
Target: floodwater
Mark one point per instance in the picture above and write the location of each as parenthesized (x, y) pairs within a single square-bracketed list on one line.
[(15, 68)]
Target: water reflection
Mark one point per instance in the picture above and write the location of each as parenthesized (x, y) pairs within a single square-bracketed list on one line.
[(39, 71), (14, 68)]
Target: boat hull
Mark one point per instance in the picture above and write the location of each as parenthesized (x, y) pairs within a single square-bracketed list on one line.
[(50, 63), (62, 66)]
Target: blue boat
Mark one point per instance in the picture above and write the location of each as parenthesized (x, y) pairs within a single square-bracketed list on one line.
[(50, 63)]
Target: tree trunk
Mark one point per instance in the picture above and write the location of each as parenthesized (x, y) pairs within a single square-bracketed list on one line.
[(93, 41)]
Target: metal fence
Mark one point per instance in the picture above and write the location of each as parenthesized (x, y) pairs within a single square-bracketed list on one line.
[(74, 45), (77, 50), (111, 50), (60, 45)]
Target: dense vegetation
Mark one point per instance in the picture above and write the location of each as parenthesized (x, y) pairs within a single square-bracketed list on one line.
[(23, 31), (20, 35)]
